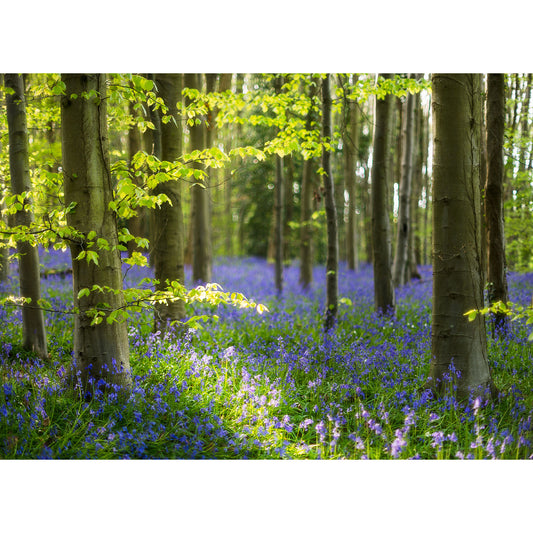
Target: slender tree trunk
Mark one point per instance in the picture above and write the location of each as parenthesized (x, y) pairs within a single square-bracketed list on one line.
[(400, 268), (306, 230), (384, 297), (33, 327), (332, 259), (288, 206), (306, 209), (415, 255), (524, 129), (278, 211), (351, 142), (134, 224), (100, 351), (427, 191), (4, 250), (168, 245), (152, 141), (366, 203), (457, 279), (210, 139), (201, 241), (496, 276)]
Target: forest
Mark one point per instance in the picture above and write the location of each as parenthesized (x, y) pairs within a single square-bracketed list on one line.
[(266, 266)]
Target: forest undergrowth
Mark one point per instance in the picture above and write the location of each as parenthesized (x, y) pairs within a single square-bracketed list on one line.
[(266, 386)]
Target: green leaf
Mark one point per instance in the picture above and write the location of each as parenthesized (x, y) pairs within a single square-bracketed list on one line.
[(84, 292), (92, 256), (146, 84), (471, 315)]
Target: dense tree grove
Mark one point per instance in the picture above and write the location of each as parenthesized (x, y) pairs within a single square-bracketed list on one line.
[(325, 177)]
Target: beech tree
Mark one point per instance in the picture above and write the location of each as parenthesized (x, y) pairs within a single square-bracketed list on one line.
[(457, 342), (278, 210), (101, 350), (332, 258), (134, 224), (496, 276), (350, 148), (33, 327), (306, 206), (201, 241), (400, 270), (168, 234), (384, 297)]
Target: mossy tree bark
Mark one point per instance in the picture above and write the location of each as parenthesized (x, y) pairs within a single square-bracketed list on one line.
[(101, 352), (168, 235), (384, 298), (457, 279), (496, 276), (332, 257), (33, 327)]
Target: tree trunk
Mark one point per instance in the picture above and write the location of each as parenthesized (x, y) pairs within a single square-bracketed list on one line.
[(457, 280), (152, 140), (350, 143), (288, 206), (278, 211), (33, 328), (306, 230), (134, 224), (384, 297), (366, 204), (168, 244), (306, 208), (400, 270), (496, 277), (332, 258), (4, 251), (210, 139), (101, 352), (201, 241), (415, 255)]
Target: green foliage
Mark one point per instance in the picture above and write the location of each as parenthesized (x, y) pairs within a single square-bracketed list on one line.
[(510, 309)]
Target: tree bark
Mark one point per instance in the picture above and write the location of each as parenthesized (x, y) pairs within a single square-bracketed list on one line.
[(168, 245), (384, 297), (420, 143), (400, 268), (33, 327), (350, 144), (332, 258), (288, 209), (134, 224), (201, 242), (278, 211), (306, 231), (496, 276), (306, 208), (152, 145), (457, 279), (101, 352)]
